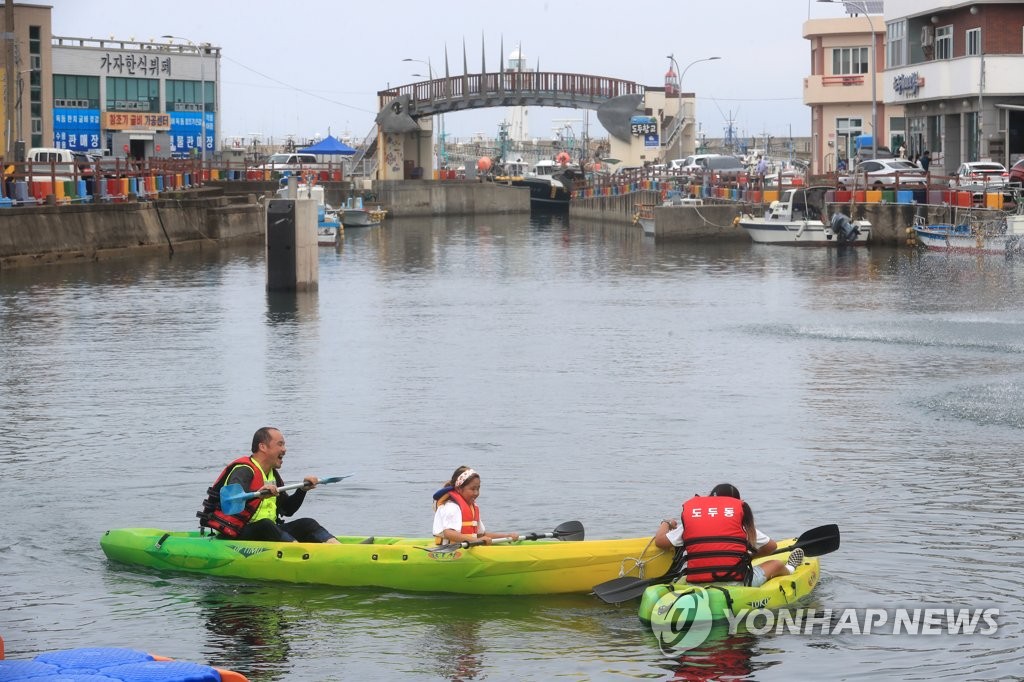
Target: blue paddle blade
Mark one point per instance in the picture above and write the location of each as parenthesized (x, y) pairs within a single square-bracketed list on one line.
[(232, 498)]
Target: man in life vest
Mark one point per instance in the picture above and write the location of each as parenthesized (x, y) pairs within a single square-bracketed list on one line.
[(261, 517), (718, 535)]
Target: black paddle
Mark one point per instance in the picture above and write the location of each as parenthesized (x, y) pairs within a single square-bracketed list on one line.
[(233, 497), (815, 542), (571, 531)]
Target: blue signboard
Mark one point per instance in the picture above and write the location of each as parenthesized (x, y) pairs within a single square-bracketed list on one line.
[(652, 140), (187, 130), (643, 125), (77, 129)]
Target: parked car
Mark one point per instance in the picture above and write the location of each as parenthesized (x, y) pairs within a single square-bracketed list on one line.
[(980, 174), (285, 161), (689, 165), (721, 167), (1016, 174), (884, 173)]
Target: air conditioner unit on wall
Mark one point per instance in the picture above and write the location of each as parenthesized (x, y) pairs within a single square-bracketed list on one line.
[(927, 35)]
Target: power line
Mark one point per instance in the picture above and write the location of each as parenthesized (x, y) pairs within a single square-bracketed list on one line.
[(292, 87)]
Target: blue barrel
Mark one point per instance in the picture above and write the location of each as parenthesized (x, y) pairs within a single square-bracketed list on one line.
[(81, 190), (186, 179), (904, 196), (133, 186), (20, 191), (159, 183)]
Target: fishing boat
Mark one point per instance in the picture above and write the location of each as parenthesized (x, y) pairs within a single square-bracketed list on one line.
[(799, 218), (408, 564), (979, 232), (355, 214), (551, 183)]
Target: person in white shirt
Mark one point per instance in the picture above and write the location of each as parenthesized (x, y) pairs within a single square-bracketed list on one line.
[(721, 551), (457, 516)]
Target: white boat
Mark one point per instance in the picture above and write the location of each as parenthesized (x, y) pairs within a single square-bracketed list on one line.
[(1001, 234), (329, 227), (798, 218), (354, 214)]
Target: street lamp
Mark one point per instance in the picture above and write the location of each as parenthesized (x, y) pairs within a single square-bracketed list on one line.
[(200, 48), (679, 95), (442, 154), (874, 71)]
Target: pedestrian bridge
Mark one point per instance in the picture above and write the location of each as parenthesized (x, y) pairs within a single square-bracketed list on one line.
[(506, 89), (404, 120)]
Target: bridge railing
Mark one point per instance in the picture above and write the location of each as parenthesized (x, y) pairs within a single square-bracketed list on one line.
[(506, 83)]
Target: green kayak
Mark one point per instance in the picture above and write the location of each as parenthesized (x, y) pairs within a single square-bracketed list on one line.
[(537, 567)]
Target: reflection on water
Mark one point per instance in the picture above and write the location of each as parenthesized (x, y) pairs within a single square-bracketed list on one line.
[(249, 631), (578, 366)]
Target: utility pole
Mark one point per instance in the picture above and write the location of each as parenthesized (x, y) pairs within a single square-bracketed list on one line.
[(8, 36)]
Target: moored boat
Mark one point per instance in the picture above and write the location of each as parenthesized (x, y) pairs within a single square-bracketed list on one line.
[(1002, 234), (531, 567), (798, 218)]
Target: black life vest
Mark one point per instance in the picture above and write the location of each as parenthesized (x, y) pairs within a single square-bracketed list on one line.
[(228, 525)]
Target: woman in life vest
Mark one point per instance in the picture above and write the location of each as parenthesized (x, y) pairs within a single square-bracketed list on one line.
[(718, 534), (456, 516), (261, 517)]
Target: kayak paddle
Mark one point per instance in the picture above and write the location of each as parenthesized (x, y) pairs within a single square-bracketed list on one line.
[(233, 497), (815, 542), (571, 531)]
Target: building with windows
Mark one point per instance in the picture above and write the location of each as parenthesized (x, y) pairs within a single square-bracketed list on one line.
[(123, 98), (958, 70), (951, 81), (840, 92)]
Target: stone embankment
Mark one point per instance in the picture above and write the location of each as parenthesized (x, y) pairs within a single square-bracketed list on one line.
[(714, 220)]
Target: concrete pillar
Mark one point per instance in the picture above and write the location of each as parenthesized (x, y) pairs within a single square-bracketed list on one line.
[(292, 251)]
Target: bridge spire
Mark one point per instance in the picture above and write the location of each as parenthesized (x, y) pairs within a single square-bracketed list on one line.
[(465, 60), (483, 53)]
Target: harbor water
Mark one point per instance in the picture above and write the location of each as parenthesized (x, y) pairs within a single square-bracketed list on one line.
[(587, 372)]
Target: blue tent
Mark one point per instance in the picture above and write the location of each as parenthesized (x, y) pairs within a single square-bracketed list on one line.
[(329, 145)]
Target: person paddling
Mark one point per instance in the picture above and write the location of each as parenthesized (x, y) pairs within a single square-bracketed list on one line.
[(456, 515), (261, 517), (718, 535)]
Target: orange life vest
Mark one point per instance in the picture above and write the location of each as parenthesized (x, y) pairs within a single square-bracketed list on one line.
[(470, 516), (714, 540)]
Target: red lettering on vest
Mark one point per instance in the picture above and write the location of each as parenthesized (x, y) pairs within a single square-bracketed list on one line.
[(714, 539)]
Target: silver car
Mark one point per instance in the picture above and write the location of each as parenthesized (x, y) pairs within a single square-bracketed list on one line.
[(884, 174)]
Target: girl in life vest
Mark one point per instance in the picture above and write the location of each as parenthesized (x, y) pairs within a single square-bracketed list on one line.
[(718, 535), (456, 516)]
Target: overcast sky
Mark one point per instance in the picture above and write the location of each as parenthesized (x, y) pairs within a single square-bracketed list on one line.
[(306, 66)]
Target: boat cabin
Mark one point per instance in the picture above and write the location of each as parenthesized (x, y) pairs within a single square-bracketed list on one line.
[(800, 203)]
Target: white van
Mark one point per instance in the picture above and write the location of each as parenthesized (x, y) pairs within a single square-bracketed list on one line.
[(290, 161), (48, 162)]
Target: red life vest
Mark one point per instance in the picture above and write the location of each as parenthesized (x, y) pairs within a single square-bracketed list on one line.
[(211, 516), (470, 516), (714, 539)]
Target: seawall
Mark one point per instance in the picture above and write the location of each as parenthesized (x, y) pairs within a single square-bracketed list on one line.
[(39, 235), (714, 221)]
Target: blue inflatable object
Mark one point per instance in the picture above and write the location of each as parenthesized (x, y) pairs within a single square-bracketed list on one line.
[(104, 665)]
